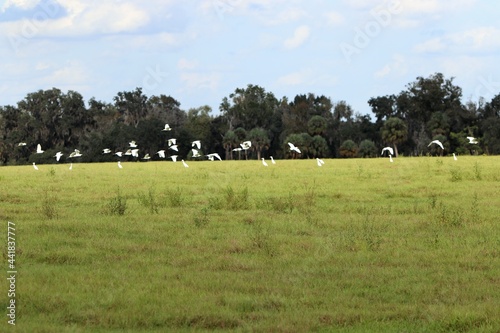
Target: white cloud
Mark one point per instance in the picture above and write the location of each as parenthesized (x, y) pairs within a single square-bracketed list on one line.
[(196, 80), (300, 35), (184, 64), (334, 18), (480, 39), (22, 4), (430, 46), (397, 67)]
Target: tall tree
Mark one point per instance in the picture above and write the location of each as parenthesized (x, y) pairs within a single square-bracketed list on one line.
[(394, 132)]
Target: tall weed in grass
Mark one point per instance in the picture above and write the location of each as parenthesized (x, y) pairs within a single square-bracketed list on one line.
[(151, 200), (48, 206), (117, 205)]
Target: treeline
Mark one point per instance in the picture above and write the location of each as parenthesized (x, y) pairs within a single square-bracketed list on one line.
[(427, 109)]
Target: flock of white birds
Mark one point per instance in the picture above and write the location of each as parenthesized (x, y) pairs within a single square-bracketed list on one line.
[(133, 151), (472, 140)]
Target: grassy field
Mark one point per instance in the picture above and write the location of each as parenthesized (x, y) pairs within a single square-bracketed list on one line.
[(359, 245)]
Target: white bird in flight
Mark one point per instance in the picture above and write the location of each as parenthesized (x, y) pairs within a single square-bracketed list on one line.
[(146, 157), (58, 156), (34, 166), (20, 144), (39, 149), (135, 152), (185, 164), (174, 158), (389, 149), (436, 142), (195, 153), (472, 140), (264, 162), (106, 151), (272, 160), (293, 147), (238, 149), (320, 162), (212, 155), (173, 147), (161, 153), (119, 153), (132, 144), (246, 145), (196, 143), (172, 142), (167, 128), (76, 153)]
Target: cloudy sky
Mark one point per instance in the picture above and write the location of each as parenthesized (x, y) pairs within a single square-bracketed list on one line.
[(199, 51)]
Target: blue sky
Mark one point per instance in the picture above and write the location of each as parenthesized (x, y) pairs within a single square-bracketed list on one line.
[(201, 51)]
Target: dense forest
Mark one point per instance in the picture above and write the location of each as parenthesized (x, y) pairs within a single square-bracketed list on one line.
[(427, 109)]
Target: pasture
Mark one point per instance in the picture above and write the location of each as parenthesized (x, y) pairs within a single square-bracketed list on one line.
[(358, 245)]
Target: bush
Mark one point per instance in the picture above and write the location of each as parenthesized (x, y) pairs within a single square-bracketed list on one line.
[(367, 148), (348, 149)]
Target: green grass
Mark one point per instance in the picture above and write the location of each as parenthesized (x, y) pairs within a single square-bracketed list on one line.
[(359, 245)]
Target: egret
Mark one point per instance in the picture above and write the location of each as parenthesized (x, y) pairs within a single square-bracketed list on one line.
[(185, 164), (238, 149), (472, 140), (173, 147), (454, 156), (132, 144), (196, 143), (39, 149), (135, 152), (20, 144), (293, 147), (106, 151), (264, 162), (161, 153), (120, 165), (212, 155), (436, 142), (246, 145), (167, 128), (320, 162), (272, 160), (71, 166), (389, 149), (172, 142), (58, 156), (34, 166), (390, 158), (146, 157), (119, 153), (128, 152), (76, 153), (195, 153), (174, 158)]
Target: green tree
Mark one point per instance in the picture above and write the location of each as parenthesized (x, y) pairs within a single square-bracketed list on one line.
[(348, 149), (367, 148), (394, 131), (260, 140), (317, 125), (132, 105)]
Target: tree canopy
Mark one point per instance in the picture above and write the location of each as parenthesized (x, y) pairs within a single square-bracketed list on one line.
[(426, 109)]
